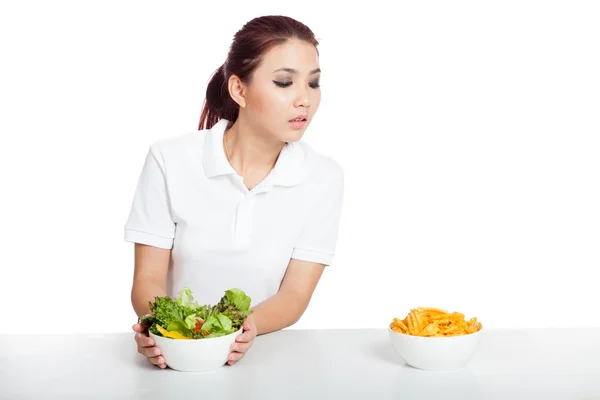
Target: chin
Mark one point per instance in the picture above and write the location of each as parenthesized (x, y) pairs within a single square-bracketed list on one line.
[(293, 136)]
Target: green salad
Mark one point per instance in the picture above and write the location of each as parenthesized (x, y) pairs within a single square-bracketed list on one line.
[(184, 318)]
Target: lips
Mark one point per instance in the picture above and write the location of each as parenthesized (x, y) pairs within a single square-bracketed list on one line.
[(300, 118)]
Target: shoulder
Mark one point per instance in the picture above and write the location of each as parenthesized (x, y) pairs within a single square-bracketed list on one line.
[(176, 149), (178, 144), (321, 168)]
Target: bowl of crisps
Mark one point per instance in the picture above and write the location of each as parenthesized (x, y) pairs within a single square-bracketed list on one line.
[(434, 339)]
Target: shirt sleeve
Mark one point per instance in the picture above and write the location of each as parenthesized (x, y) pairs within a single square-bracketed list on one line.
[(317, 242), (150, 219)]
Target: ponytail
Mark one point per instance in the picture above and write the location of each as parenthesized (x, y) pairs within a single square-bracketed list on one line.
[(218, 104)]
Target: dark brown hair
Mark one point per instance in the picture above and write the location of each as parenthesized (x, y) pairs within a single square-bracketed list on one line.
[(249, 44)]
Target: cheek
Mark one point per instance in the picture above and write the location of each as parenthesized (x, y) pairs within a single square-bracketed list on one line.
[(271, 102), (315, 100)]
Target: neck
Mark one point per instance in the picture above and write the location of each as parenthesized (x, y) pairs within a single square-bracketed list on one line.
[(250, 150)]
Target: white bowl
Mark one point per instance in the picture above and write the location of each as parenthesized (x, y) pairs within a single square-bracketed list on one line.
[(196, 355), (436, 353)]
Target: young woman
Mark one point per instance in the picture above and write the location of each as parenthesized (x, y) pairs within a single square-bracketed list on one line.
[(242, 202)]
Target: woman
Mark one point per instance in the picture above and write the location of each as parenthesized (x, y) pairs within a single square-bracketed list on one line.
[(242, 202)]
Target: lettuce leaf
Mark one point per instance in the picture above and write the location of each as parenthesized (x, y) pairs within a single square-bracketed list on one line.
[(186, 299), (180, 315), (235, 305), (166, 310), (177, 325), (190, 321), (217, 325), (238, 298)]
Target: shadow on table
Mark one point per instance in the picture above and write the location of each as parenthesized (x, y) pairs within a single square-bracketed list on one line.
[(127, 354), (384, 351), (428, 384)]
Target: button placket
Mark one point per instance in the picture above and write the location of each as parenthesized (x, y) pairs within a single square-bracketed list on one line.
[(244, 218)]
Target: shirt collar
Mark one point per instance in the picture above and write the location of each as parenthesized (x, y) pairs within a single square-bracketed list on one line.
[(290, 168), (214, 159)]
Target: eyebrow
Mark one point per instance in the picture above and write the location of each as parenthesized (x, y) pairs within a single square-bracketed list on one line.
[(294, 71)]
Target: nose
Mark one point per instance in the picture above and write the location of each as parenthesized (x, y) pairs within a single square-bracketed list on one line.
[(302, 97)]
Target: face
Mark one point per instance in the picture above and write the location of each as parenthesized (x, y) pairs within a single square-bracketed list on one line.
[(283, 94)]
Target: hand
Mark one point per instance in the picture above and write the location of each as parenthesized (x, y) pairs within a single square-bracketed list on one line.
[(146, 346), (243, 342)]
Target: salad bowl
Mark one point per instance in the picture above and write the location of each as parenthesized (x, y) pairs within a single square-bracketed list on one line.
[(196, 355), (194, 337)]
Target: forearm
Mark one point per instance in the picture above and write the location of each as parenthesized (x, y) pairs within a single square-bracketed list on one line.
[(278, 312), (144, 292)]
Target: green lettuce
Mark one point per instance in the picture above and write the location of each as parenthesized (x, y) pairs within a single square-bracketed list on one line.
[(182, 314), (238, 298), (177, 325), (186, 299), (190, 321), (218, 325)]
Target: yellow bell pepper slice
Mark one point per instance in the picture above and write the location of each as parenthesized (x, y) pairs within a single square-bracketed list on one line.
[(172, 335)]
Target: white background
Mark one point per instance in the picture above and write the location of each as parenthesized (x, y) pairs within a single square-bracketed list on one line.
[(469, 133)]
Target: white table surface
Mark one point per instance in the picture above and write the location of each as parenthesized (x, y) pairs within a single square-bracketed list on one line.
[(305, 364)]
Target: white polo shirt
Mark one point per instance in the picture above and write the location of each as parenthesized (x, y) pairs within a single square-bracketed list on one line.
[(222, 235)]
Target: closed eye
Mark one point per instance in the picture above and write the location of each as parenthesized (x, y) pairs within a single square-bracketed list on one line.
[(282, 84), (314, 84)]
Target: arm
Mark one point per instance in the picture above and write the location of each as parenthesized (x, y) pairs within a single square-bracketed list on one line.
[(315, 247), (287, 306), (150, 276)]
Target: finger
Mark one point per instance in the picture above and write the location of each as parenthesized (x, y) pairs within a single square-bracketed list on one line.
[(241, 347), (235, 356), (150, 351), (241, 339), (143, 340), (158, 361), (141, 335), (138, 328), (248, 326), (245, 337)]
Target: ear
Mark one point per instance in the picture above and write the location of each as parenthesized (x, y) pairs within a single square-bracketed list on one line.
[(237, 90)]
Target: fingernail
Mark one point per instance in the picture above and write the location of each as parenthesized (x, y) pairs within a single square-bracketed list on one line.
[(156, 352)]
